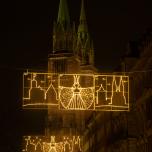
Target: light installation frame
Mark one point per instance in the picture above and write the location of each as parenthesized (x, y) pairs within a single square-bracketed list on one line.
[(52, 143), (109, 85)]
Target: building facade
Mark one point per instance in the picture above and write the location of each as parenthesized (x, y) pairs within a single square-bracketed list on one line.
[(127, 131), (72, 52), (101, 131)]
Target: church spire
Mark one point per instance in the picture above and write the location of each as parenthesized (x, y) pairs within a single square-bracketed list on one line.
[(82, 14), (83, 22), (63, 14), (84, 49), (63, 32)]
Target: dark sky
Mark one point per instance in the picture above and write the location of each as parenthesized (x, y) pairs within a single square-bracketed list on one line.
[(112, 24), (27, 38)]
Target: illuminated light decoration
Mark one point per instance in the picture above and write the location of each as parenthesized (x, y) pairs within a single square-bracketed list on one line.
[(76, 91), (40, 90), (75, 97), (52, 144), (112, 92)]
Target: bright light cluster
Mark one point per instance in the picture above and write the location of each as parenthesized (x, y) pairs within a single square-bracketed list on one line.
[(75, 97), (51, 144), (76, 91)]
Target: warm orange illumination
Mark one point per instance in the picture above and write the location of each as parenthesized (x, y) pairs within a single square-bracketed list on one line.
[(76, 91), (76, 97), (51, 144)]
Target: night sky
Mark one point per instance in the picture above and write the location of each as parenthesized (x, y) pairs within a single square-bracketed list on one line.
[(27, 39), (112, 24)]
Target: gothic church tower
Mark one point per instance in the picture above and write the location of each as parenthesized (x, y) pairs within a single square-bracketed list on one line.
[(72, 51), (84, 47)]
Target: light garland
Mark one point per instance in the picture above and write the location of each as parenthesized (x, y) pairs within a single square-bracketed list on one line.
[(76, 91), (50, 144)]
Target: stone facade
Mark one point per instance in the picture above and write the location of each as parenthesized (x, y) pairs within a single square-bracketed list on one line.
[(72, 53), (127, 131)]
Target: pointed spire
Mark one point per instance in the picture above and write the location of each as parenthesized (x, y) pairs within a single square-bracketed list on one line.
[(63, 14), (82, 14), (84, 47), (83, 22)]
